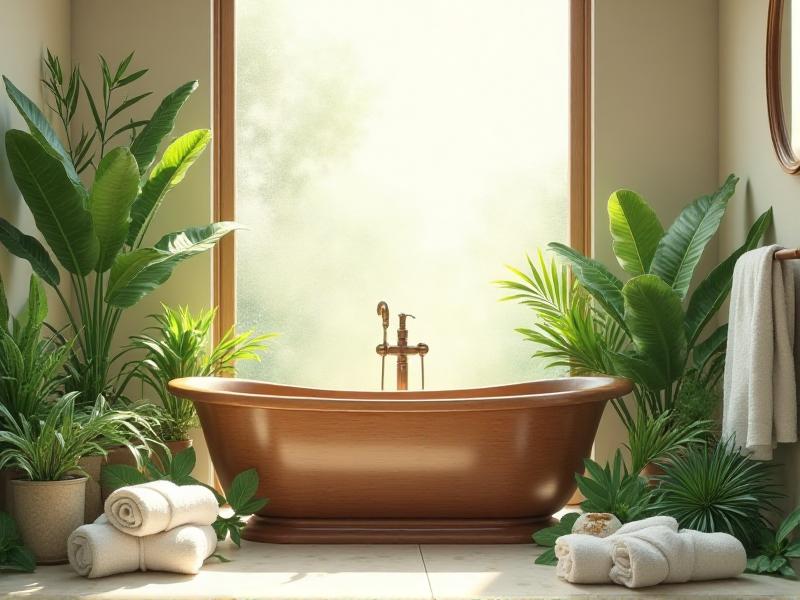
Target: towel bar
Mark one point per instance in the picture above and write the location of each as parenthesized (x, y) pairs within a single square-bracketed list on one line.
[(787, 254)]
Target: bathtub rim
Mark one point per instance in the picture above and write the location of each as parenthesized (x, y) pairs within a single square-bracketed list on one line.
[(522, 395)]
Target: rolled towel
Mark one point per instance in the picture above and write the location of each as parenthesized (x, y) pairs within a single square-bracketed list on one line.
[(587, 559), (158, 506), (660, 555), (99, 550)]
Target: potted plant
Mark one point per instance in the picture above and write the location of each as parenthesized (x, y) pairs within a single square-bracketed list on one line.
[(180, 346), (96, 233), (49, 498), (648, 328)]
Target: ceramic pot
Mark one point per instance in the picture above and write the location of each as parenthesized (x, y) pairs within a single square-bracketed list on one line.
[(46, 513), (6, 495), (94, 501)]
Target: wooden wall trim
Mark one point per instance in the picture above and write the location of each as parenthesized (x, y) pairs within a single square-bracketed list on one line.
[(224, 274), (580, 127), (580, 153)]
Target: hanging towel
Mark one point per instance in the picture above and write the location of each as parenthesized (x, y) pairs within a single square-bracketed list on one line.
[(158, 506), (586, 558), (760, 395), (99, 550), (661, 555)]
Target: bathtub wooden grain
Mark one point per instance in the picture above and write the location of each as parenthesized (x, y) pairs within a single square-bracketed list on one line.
[(487, 465)]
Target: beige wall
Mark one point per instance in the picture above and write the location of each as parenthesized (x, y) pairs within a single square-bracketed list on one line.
[(27, 27), (173, 40), (655, 120), (745, 147)]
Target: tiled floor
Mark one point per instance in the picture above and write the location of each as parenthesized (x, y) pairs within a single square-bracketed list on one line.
[(374, 572)]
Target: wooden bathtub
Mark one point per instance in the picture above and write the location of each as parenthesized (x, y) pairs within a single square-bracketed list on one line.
[(486, 465)]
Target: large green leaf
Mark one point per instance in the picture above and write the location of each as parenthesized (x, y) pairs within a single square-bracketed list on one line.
[(635, 231), (603, 285), (710, 346), (55, 201), (116, 184), (680, 249), (146, 143), (640, 370), (41, 130), (714, 289), (30, 249), (136, 274), (169, 172), (654, 317)]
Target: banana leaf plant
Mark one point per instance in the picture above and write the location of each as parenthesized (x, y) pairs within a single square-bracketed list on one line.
[(95, 232), (647, 328)]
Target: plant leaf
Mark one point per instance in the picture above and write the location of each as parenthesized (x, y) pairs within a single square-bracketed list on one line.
[(710, 346), (789, 524), (116, 185), (55, 201), (654, 317), (182, 465), (30, 249), (169, 172), (136, 274), (243, 488), (115, 476), (42, 131), (548, 558), (714, 289), (146, 144), (680, 249), (604, 287), (19, 558), (635, 231)]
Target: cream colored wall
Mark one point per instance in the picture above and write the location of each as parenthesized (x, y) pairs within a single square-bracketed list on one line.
[(745, 147), (173, 39), (27, 27), (655, 119)]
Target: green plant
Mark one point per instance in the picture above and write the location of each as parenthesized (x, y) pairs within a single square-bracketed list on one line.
[(13, 555), (697, 400), (181, 347), (240, 496), (659, 437), (777, 549), (97, 233), (612, 489), (49, 448), (715, 488), (31, 367), (547, 537), (646, 328)]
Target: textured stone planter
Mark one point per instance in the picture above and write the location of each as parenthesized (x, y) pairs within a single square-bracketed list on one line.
[(94, 501), (46, 513)]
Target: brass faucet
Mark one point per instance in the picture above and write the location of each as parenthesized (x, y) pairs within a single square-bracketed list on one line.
[(401, 350)]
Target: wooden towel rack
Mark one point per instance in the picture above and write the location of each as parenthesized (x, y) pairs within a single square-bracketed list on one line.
[(787, 254)]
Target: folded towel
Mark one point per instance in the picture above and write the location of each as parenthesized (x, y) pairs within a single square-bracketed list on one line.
[(158, 506), (587, 559), (99, 550), (760, 395), (661, 555)]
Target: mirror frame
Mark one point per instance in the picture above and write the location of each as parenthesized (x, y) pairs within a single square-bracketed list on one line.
[(777, 120)]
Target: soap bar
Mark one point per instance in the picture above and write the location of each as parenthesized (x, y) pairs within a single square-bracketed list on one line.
[(597, 524)]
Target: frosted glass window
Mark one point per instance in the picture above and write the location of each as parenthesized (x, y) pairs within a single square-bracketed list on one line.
[(398, 150)]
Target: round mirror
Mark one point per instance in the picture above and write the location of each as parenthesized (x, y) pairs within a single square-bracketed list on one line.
[(783, 81)]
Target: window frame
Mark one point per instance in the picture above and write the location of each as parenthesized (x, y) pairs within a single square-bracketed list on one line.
[(224, 128)]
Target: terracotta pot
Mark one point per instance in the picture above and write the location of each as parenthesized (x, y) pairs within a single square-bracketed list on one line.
[(6, 496), (46, 513), (94, 501)]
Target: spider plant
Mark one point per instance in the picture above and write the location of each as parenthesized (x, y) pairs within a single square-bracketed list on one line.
[(715, 488), (49, 448), (31, 367), (96, 232), (647, 328), (181, 347)]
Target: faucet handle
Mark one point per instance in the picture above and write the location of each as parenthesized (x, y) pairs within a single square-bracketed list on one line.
[(383, 311)]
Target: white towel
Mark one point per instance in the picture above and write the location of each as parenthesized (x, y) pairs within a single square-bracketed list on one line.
[(661, 555), (99, 550), (158, 506), (760, 395), (586, 558)]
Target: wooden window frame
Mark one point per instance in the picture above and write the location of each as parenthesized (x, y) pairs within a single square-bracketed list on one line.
[(224, 75)]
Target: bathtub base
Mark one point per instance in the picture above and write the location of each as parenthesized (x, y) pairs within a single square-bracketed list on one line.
[(392, 531)]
